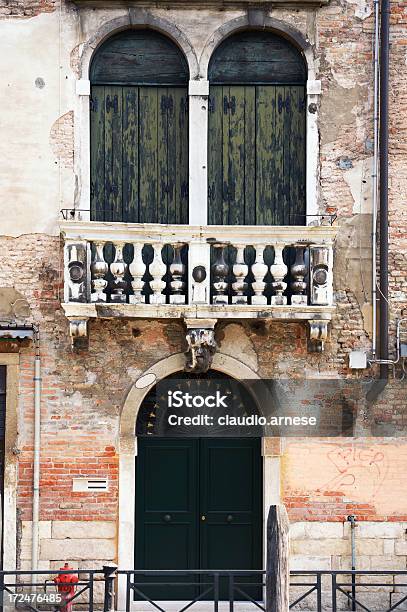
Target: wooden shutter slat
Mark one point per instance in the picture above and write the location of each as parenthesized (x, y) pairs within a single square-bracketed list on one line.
[(215, 155), (297, 155), (250, 155), (162, 160), (113, 154), (236, 155), (97, 152), (266, 157), (225, 156), (178, 156), (148, 154), (130, 155)]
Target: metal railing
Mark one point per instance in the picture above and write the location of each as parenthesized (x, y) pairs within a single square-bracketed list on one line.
[(180, 590), (214, 586), (37, 590), (350, 589)]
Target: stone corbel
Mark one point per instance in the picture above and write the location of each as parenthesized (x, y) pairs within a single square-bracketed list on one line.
[(78, 330), (318, 334), (202, 346)]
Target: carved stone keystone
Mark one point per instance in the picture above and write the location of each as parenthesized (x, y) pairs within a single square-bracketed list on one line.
[(200, 337)]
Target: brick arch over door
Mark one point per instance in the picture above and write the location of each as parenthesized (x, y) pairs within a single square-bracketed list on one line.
[(139, 129), (257, 131)]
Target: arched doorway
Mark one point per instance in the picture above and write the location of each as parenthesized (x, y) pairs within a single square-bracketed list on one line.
[(256, 140), (199, 499), (139, 129)]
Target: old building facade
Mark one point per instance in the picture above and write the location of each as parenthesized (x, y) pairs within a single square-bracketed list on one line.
[(195, 127)]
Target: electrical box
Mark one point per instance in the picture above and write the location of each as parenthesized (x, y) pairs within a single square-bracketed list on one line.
[(81, 485), (357, 360)]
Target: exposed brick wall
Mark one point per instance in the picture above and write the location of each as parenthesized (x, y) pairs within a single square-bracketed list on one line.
[(61, 138), (26, 8), (83, 392)]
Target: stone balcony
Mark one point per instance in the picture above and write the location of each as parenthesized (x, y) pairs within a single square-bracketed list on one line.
[(200, 274)]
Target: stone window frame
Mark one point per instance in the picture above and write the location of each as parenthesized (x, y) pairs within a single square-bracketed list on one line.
[(198, 89)]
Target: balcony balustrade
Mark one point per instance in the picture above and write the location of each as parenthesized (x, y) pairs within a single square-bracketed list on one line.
[(197, 272)]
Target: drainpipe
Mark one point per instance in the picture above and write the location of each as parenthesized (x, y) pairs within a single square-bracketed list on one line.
[(378, 386), (375, 173), (384, 187), (37, 446), (352, 521)]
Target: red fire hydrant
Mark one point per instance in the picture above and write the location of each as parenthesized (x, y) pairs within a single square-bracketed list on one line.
[(66, 587)]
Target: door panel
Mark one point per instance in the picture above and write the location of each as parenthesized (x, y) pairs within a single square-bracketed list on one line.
[(198, 506), (256, 155), (166, 510), (230, 501)]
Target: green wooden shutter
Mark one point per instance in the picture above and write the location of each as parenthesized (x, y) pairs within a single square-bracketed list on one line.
[(256, 155), (256, 149), (139, 154)]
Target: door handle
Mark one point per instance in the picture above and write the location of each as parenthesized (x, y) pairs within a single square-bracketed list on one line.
[(167, 518), (229, 518)]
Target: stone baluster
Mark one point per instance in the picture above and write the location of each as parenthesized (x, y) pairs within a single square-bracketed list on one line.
[(177, 271), (278, 270), (118, 269), (298, 285), (76, 272), (157, 271), (220, 271), (240, 270), (259, 271), (99, 269), (137, 269)]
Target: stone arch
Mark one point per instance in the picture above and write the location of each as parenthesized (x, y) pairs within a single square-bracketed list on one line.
[(257, 20), (175, 363), (136, 18), (128, 449)]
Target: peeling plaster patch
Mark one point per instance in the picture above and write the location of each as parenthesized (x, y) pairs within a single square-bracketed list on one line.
[(338, 109), (362, 10), (134, 373), (13, 304), (353, 263), (359, 181), (62, 139), (236, 344), (91, 378), (344, 163), (76, 400)]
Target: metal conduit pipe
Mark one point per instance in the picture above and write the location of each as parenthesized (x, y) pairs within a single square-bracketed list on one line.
[(37, 448)]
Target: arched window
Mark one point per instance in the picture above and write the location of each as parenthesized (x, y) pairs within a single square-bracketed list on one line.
[(139, 130), (256, 141)]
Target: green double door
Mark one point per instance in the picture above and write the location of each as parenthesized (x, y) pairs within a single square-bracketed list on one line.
[(198, 506)]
